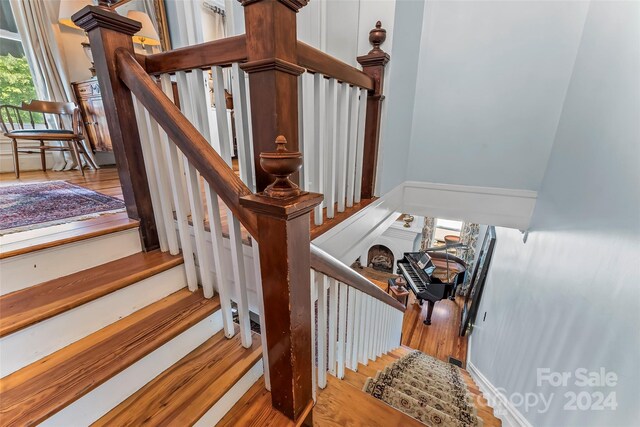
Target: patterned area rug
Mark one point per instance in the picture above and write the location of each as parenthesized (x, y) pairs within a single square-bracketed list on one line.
[(42, 204), (427, 389)]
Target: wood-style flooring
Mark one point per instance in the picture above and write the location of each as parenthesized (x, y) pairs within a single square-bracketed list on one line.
[(440, 339), (342, 403), (105, 180)]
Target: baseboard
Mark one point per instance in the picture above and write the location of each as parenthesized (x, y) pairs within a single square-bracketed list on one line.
[(502, 408)]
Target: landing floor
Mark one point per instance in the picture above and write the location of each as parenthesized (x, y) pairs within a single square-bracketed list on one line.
[(106, 181)]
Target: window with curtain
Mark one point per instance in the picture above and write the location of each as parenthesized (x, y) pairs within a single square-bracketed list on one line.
[(16, 82)]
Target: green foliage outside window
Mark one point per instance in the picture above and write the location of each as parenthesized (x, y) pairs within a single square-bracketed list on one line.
[(16, 83)]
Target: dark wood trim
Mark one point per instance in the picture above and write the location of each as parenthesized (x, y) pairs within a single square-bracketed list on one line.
[(192, 144), (218, 52), (329, 266), (317, 61), (283, 226), (273, 76), (373, 65), (107, 33)]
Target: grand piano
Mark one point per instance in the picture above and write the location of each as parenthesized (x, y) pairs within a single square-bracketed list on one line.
[(432, 276)]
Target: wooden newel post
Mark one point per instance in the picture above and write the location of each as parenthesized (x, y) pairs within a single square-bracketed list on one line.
[(272, 65), (283, 232), (373, 64), (109, 32)]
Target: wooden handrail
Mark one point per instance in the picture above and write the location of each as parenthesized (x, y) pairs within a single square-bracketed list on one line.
[(218, 52), (319, 62), (326, 264), (194, 146)]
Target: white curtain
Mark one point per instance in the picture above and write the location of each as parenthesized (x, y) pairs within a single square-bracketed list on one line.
[(37, 25)]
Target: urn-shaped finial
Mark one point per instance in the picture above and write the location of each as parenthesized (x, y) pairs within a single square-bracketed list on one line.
[(377, 36), (281, 164)]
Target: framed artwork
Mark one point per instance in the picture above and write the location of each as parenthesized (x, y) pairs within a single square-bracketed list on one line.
[(472, 300)]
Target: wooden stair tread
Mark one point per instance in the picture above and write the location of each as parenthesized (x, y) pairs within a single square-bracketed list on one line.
[(341, 404), (44, 387), (31, 305), (182, 394), (82, 230)]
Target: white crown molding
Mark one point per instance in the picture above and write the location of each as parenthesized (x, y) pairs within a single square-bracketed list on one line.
[(502, 408)]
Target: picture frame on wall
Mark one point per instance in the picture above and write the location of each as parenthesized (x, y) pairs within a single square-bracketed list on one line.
[(478, 279)]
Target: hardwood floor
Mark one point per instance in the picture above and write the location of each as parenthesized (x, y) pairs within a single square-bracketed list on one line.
[(440, 339), (105, 180)]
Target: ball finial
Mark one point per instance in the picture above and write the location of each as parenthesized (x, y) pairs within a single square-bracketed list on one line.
[(377, 36)]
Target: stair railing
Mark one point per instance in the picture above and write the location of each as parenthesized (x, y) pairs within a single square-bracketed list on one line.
[(174, 164), (354, 320)]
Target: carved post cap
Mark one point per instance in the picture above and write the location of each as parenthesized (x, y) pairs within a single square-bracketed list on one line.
[(377, 36), (281, 164), (90, 17)]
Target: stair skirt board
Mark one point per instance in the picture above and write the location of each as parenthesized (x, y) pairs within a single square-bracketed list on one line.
[(224, 405), (41, 339), (105, 397), (47, 264)]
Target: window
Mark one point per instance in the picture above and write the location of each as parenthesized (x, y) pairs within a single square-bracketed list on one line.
[(448, 224), (16, 82)]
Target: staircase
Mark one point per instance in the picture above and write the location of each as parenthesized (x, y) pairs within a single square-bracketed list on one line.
[(87, 347)]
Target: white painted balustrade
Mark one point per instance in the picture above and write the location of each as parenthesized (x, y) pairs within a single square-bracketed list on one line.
[(189, 215), (331, 120), (348, 327)]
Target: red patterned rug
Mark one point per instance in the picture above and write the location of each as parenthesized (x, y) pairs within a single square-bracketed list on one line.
[(42, 204)]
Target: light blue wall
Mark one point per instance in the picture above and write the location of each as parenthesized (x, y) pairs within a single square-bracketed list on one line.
[(400, 75), (569, 298), (491, 80)]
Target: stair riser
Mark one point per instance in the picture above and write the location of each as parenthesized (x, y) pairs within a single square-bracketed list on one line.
[(220, 409), (30, 344), (32, 268), (99, 401)]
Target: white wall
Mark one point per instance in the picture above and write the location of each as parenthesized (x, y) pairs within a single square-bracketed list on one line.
[(491, 79), (568, 298), (400, 79)]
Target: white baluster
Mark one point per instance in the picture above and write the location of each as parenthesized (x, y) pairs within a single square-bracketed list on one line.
[(342, 329), (319, 139), (177, 190), (235, 234), (314, 370), (342, 144), (368, 330), (362, 115), (186, 90), (357, 316), (323, 287), (330, 148), (363, 325), (263, 326), (241, 115), (333, 324), (375, 330), (145, 144), (351, 320), (164, 186), (307, 114), (352, 139)]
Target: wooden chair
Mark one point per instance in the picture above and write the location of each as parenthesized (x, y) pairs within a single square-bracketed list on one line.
[(19, 123)]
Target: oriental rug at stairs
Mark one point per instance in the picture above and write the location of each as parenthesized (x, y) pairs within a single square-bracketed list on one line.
[(427, 389)]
